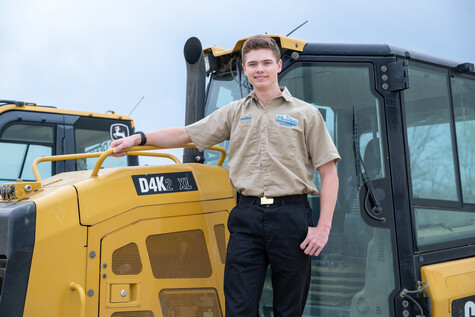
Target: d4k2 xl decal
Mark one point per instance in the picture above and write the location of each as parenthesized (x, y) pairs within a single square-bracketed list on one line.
[(150, 184)]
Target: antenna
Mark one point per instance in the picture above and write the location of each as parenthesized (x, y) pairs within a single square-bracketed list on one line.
[(298, 27), (136, 105)]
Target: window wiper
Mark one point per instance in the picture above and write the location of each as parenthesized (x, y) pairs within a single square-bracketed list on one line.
[(377, 209)]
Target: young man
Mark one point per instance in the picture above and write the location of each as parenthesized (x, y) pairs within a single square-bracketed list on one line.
[(276, 141)]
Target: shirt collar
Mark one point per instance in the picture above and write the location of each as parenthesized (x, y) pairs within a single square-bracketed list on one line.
[(285, 94)]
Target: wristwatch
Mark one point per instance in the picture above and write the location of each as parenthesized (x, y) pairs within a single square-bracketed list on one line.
[(143, 138)]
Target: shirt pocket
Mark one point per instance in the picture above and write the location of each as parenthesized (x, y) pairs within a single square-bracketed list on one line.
[(282, 141), (244, 139)]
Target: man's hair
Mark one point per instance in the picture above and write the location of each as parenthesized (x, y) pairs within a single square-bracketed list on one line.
[(258, 42)]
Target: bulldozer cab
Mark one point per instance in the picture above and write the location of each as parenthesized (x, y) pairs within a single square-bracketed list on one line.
[(404, 218)]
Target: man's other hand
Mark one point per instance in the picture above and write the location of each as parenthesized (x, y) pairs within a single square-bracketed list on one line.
[(317, 238)]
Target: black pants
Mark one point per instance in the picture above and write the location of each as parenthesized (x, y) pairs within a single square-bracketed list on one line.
[(263, 235)]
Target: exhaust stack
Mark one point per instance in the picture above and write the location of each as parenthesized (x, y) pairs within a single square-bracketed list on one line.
[(195, 91)]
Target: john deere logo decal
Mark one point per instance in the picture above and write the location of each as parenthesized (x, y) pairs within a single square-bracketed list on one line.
[(119, 131)]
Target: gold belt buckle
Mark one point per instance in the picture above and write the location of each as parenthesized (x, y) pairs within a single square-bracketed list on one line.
[(267, 200)]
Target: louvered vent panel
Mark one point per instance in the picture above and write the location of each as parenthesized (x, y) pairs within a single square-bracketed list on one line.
[(179, 255), (126, 260), (221, 241), (190, 302)]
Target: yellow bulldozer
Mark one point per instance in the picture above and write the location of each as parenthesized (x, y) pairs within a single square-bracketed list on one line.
[(130, 241)]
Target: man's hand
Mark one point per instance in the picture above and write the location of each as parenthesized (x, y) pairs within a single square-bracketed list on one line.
[(124, 143), (317, 238)]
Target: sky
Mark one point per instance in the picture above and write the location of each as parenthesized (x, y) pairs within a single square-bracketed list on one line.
[(100, 55)]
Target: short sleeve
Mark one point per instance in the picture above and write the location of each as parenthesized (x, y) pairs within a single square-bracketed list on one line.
[(319, 142), (212, 129)]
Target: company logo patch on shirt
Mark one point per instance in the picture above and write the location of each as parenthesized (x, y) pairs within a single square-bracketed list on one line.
[(245, 118), (150, 184), (286, 120)]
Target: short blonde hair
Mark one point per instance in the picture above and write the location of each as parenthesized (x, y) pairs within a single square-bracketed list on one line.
[(258, 42)]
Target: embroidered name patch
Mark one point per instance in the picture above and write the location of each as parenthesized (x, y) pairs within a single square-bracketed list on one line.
[(286, 120)]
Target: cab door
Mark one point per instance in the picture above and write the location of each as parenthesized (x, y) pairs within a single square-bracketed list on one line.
[(356, 274)]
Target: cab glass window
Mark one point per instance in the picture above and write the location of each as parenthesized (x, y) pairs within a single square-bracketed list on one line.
[(28, 133), (439, 228), (223, 89), (20, 145), (429, 133), (91, 141), (463, 96), (432, 126), (343, 92)]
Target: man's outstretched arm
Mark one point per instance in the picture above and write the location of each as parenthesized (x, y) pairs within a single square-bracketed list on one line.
[(170, 137)]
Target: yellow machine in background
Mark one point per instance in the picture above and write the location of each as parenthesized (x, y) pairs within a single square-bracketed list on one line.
[(130, 241), (28, 131)]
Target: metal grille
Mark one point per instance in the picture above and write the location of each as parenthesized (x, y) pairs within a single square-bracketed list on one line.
[(179, 255), (126, 260), (221, 241), (190, 302), (3, 265), (144, 313)]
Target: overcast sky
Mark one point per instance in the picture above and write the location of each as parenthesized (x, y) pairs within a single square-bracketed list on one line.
[(99, 55)]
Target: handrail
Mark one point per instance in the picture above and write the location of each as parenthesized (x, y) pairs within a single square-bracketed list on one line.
[(66, 157), (63, 157), (82, 297), (136, 151)]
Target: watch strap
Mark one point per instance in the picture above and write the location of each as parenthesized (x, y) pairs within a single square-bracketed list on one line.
[(143, 138)]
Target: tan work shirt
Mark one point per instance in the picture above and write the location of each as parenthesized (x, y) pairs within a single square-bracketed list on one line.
[(273, 149)]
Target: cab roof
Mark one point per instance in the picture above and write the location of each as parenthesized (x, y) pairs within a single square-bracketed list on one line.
[(338, 49), (284, 42)]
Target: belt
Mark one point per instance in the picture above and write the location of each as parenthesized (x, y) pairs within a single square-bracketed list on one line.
[(254, 200)]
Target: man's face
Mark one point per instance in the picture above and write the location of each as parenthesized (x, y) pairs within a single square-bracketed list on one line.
[(261, 68)]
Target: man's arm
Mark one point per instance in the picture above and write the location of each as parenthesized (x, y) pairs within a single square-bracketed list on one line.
[(317, 237), (170, 137)]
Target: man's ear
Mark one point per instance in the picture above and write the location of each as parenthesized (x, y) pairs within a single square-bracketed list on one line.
[(244, 68), (279, 64)]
